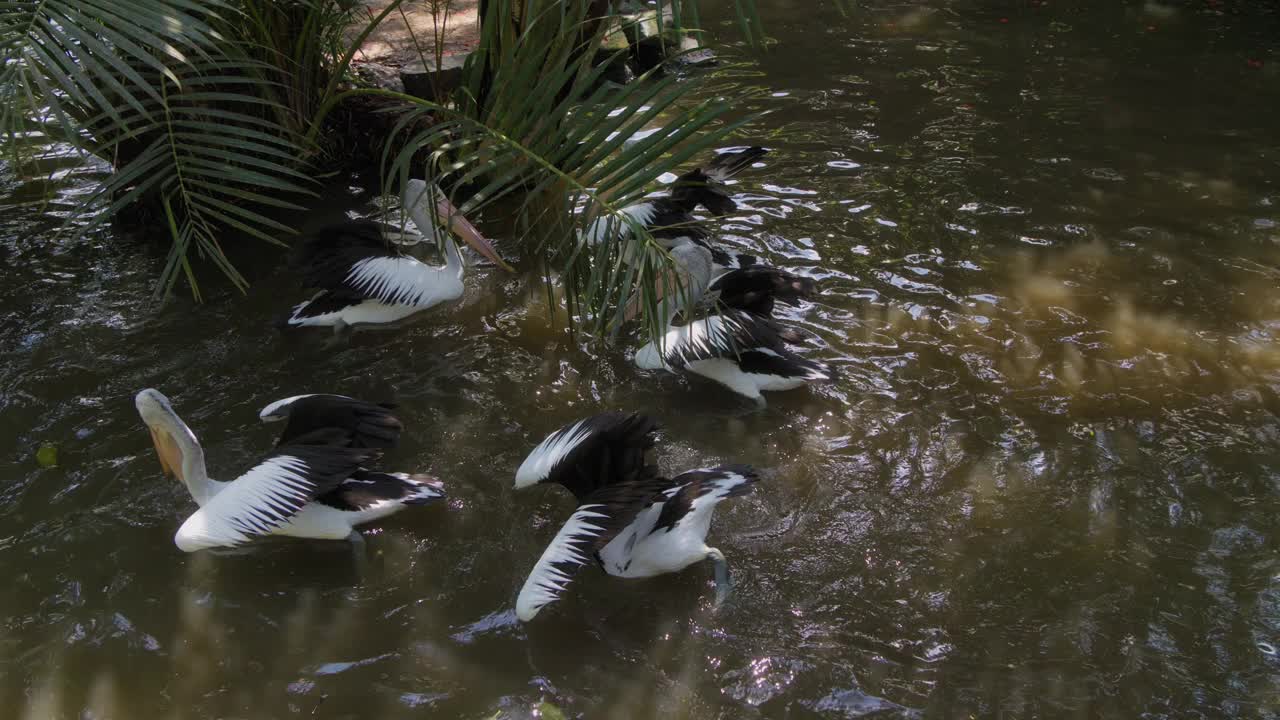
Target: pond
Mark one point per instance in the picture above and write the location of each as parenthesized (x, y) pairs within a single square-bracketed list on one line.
[(1048, 240)]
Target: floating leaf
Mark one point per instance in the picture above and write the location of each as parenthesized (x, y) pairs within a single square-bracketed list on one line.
[(47, 455), (549, 711)]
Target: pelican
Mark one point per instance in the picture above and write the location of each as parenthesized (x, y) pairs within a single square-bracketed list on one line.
[(742, 347), (669, 218), (754, 288), (744, 352), (312, 485), (633, 521), (363, 280)]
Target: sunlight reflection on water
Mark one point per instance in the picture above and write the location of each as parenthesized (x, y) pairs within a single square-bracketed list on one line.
[(1043, 484)]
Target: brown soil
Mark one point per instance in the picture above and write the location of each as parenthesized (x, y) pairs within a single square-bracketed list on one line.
[(410, 33)]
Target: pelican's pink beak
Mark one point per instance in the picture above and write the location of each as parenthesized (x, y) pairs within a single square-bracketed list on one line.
[(461, 226), (667, 282)]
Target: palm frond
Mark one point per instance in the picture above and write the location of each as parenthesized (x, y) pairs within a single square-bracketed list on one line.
[(535, 122), (67, 58), (209, 110), (195, 122)]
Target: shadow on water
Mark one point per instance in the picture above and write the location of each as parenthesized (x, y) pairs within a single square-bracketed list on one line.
[(1048, 236)]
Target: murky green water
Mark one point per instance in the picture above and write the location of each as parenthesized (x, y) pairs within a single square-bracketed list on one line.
[(1049, 238)]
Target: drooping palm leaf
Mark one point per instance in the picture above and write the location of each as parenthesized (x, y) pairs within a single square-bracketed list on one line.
[(216, 162), (298, 43), (535, 121), (192, 120), (70, 58), (200, 105)]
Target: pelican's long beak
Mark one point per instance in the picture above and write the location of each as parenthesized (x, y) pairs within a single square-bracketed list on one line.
[(168, 452), (462, 227), (669, 282)]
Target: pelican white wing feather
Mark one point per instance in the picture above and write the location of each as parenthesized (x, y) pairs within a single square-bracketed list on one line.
[(264, 499), (275, 409), (569, 550), (611, 227), (403, 280), (551, 451), (721, 336), (595, 523)]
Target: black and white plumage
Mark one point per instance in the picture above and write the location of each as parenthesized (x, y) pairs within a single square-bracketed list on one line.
[(585, 456), (699, 488), (670, 217), (371, 425), (706, 186), (757, 288), (363, 279), (367, 490), (312, 485), (268, 496), (746, 353), (725, 260), (697, 273), (632, 520), (741, 347)]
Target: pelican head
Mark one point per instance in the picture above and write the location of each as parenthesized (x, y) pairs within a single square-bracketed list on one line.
[(695, 263), (425, 203), (169, 434), (685, 282)]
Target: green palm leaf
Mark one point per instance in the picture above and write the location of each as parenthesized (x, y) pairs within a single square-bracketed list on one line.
[(194, 121), (535, 121), (210, 110)]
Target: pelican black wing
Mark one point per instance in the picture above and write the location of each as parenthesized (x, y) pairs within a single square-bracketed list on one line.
[(756, 288), (369, 425), (594, 452)]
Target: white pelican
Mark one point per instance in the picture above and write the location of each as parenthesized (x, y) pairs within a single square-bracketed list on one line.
[(311, 485), (753, 288), (742, 347), (630, 519), (746, 353), (363, 280), (669, 219)]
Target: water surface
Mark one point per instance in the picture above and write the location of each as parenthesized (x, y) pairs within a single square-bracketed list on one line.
[(1048, 235)]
